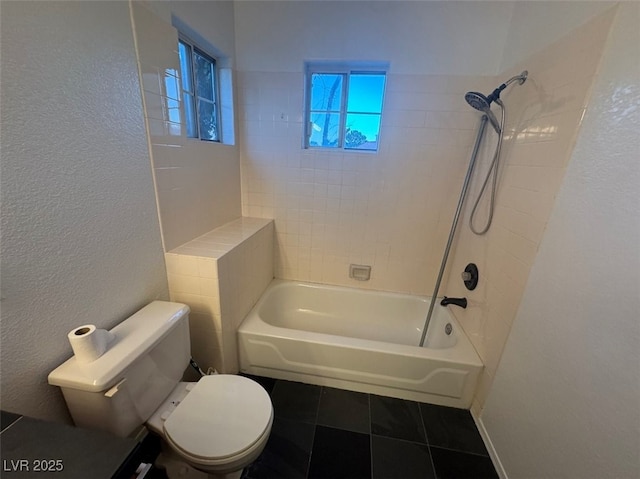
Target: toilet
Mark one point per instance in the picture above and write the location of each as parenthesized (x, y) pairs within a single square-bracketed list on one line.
[(212, 428)]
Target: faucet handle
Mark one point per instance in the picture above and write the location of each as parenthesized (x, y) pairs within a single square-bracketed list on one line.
[(470, 276)]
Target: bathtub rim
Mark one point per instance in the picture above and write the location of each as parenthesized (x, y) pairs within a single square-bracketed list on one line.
[(462, 353)]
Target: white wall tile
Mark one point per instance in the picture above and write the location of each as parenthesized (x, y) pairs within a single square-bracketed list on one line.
[(221, 287), (205, 192), (342, 204), (543, 116)]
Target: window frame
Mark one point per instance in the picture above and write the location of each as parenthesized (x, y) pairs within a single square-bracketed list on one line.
[(346, 69), (194, 49)]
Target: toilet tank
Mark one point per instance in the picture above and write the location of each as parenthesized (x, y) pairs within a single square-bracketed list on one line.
[(121, 389)]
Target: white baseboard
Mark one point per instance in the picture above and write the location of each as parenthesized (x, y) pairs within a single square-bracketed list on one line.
[(489, 445)]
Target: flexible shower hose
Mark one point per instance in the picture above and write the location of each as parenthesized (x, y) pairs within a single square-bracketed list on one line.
[(495, 164)]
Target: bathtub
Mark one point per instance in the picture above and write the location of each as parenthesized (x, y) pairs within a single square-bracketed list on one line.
[(358, 340)]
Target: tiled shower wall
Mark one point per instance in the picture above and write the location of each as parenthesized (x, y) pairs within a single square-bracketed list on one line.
[(391, 210), (197, 182), (543, 119)]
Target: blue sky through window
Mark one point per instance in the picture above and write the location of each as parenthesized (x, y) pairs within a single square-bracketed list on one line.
[(365, 93), (358, 115)]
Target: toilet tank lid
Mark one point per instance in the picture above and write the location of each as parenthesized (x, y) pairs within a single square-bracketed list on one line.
[(133, 338)]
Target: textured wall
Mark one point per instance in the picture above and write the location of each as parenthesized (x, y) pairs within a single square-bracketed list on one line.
[(565, 399), (80, 235)]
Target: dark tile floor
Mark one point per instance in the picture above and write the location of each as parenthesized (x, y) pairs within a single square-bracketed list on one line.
[(321, 432)]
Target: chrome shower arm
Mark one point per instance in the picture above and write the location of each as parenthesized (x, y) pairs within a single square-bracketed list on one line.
[(520, 78)]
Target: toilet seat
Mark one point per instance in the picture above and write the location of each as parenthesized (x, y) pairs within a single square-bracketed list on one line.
[(224, 417)]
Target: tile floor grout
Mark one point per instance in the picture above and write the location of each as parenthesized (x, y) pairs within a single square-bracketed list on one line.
[(433, 468), (450, 450), (451, 429)]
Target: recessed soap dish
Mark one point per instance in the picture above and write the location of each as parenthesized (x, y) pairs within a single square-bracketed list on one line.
[(360, 272)]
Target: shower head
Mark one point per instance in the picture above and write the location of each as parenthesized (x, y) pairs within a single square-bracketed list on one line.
[(478, 101), (483, 103)]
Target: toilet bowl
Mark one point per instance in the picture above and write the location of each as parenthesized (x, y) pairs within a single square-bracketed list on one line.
[(213, 428)]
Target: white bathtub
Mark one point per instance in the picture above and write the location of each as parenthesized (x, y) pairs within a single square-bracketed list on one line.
[(358, 340)]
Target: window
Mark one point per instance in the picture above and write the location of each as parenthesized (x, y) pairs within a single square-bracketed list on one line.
[(344, 105), (199, 92)]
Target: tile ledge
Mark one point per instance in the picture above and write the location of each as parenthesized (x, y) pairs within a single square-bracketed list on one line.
[(222, 239)]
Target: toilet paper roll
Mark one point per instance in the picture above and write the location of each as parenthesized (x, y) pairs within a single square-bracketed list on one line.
[(89, 343)]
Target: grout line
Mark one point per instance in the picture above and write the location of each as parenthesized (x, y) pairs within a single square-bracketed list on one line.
[(401, 440), (313, 443), (370, 434), (318, 406), (424, 427), (370, 415), (315, 430), (462, 452), (10, 425)]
